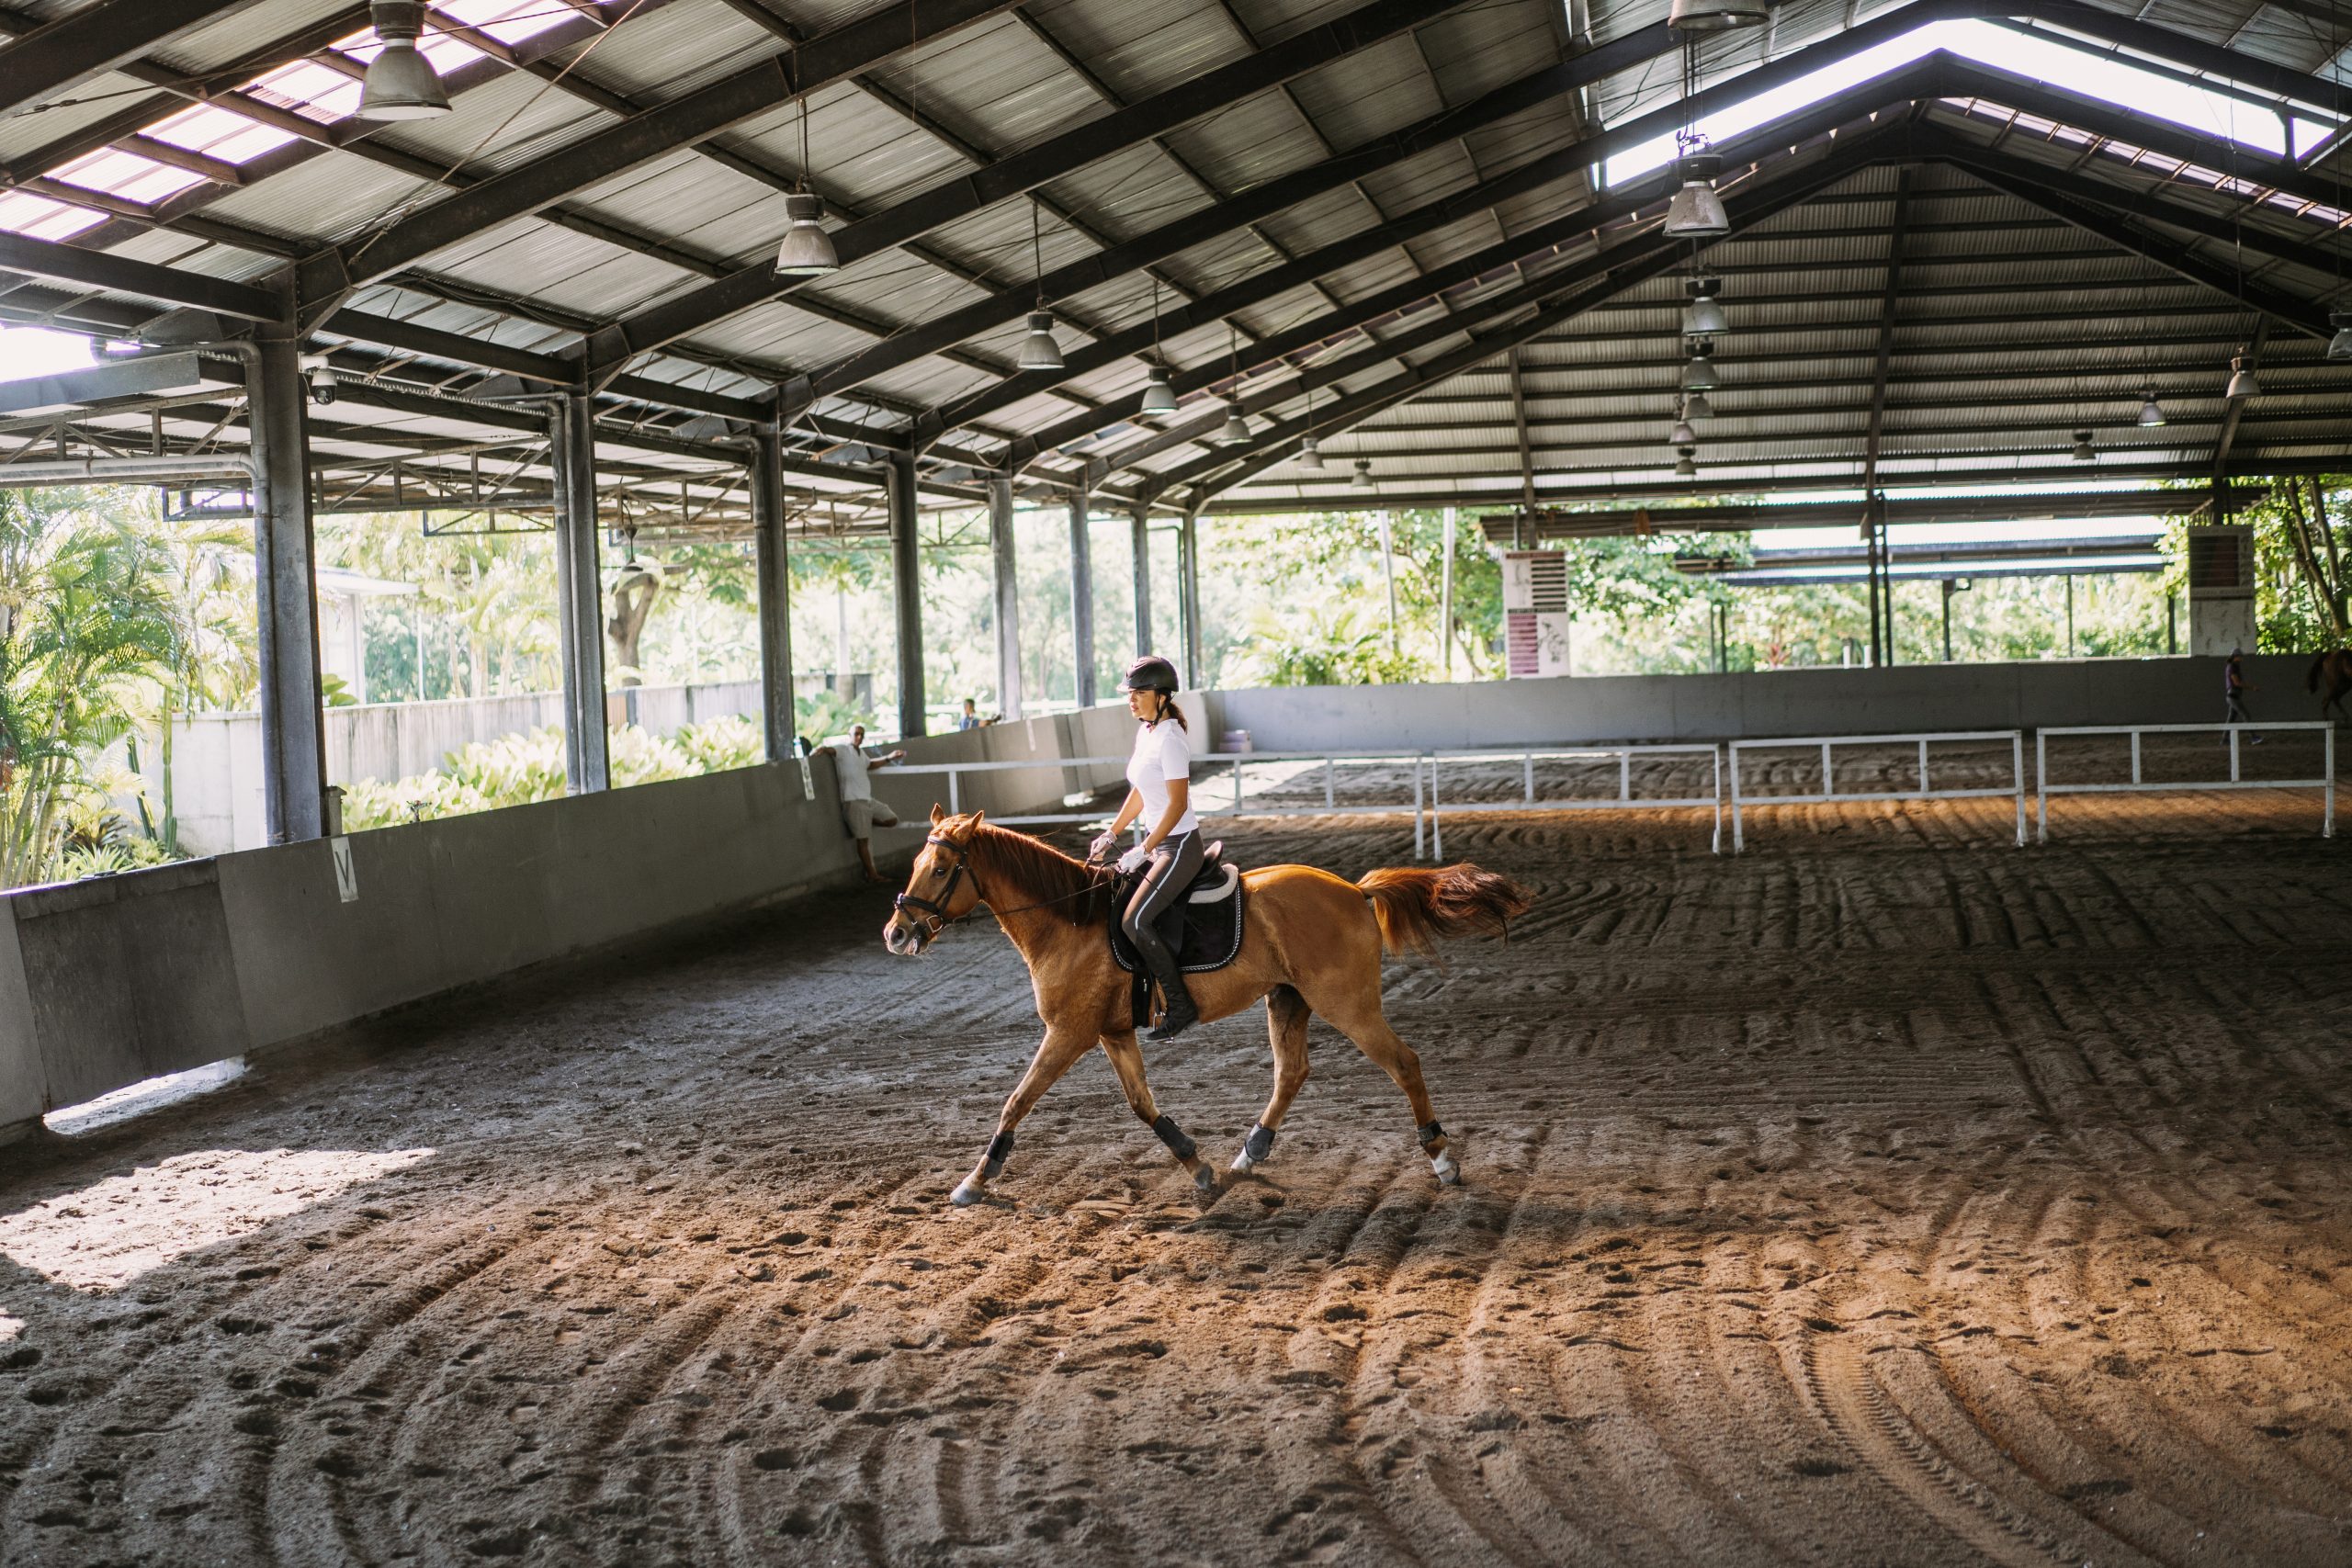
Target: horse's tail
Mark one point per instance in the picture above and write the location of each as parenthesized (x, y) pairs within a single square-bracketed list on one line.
[(1414, 906)]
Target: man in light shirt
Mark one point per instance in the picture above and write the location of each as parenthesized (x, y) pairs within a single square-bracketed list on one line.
[(861, 813)]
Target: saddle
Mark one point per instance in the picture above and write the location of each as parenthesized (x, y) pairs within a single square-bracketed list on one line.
[(1202, 928)]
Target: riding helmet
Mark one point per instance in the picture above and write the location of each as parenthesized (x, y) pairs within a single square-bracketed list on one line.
[(1150, 674)]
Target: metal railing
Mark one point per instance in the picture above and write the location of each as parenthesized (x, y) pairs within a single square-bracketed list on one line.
[(1624, 799), (1830, 794), (2044, 789), (1239, 806)]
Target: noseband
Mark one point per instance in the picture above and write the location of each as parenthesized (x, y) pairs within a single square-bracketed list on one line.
[(934, 910)]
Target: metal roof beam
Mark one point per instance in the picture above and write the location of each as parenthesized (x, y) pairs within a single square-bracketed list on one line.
[(1622, 267), (1087, 144), (1513, 254), (121, 275), (96, 38), (845, 51), (2007, 175)]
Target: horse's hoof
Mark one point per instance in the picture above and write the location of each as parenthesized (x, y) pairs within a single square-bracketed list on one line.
[(1448, 1173), (1206, 1179), (968, 1193), (1242, 1164)]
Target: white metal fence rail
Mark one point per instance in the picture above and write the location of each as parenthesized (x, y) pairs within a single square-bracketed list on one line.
[(1623, 800), (2044, 789), (1236, 805), (1831, 795)]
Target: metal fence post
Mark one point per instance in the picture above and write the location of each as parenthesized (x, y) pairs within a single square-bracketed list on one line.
[(2327, 828), (1828, 778), (1416, 809), (2041, 787), (2233, 753), (1738, 839), (1715, 756), (1436, 822), (2016, 775)]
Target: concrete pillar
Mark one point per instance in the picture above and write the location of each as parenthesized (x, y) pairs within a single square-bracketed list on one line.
[(1081, 595), (906, 590), (579, 593), (1142, 536), (1188, 594), (293, 740), (774, 592), (1005, 555)]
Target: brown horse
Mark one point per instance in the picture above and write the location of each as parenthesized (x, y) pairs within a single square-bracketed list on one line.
[(2334, 667), (1313, 944)]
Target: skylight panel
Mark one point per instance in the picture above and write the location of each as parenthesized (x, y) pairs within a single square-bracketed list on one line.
[(127, 175), (312, 90), (2112, 78), (24, 213), (219, 133)]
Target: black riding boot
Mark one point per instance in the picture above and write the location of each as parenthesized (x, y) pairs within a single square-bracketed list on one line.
[(1161, 961)]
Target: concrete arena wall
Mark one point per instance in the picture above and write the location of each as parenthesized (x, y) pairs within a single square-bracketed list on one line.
[(110, 981), (1763, 703)]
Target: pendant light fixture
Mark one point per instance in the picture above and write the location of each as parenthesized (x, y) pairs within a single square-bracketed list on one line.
[(2339, 347), (1038, 350), (1159, 396), (2150, 414), (1310, 451), (400, 83), (1699, 375), (2083, 452), (2243, 382), (1714, 16), (806, 251), (1685, 462), (1696, 212), (1235, 428), (1696, 406), (1362, 479), (1682, 434), (1703, 317)]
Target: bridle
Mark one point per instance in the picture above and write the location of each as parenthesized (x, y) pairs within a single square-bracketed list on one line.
[(934, 910), (932, 913)]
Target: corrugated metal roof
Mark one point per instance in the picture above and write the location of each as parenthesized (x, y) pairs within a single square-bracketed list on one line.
[(1998, 300)]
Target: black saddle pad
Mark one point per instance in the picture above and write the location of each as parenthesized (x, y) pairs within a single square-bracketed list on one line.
[(1210, 934)]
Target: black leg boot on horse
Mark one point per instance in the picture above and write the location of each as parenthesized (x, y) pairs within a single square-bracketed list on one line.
[(1166, 875)]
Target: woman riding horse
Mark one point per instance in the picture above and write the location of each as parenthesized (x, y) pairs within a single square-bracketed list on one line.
[(1312, 944), (1160, 775)]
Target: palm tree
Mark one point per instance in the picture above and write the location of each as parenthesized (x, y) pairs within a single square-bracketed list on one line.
[(89, 627)]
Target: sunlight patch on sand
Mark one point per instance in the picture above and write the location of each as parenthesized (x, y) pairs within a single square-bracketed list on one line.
[(106, 1234)]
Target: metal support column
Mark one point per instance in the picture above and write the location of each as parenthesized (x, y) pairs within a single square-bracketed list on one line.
[(293, 740), (579, 593), (1188, 596), (906, 590), (774, 600), (1002, 552), (1081, 596), (1141, 534)]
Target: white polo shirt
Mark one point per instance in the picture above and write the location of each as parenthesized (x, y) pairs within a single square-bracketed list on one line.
[(1163, 751)]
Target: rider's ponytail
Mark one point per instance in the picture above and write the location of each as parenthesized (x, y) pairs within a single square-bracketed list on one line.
[(1167, 709)]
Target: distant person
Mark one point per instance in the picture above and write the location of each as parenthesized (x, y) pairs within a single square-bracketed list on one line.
[(861, 813), (971, 719), (2235, 686)]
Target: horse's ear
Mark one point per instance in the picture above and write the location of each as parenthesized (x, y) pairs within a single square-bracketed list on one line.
[(936, 814), (978, 819)]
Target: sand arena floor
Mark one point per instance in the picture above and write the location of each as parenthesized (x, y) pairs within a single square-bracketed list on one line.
[(1887, 1195)]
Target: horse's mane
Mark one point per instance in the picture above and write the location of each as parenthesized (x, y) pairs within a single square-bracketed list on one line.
[(1022, 870)]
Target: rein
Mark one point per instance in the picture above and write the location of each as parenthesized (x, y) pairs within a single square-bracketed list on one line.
[(933, 911)]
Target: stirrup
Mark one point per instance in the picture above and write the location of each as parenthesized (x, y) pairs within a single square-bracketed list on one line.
[(1175, 1020)]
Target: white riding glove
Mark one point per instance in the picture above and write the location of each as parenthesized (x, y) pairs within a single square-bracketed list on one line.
[(1102, 847), (1133, 858)]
